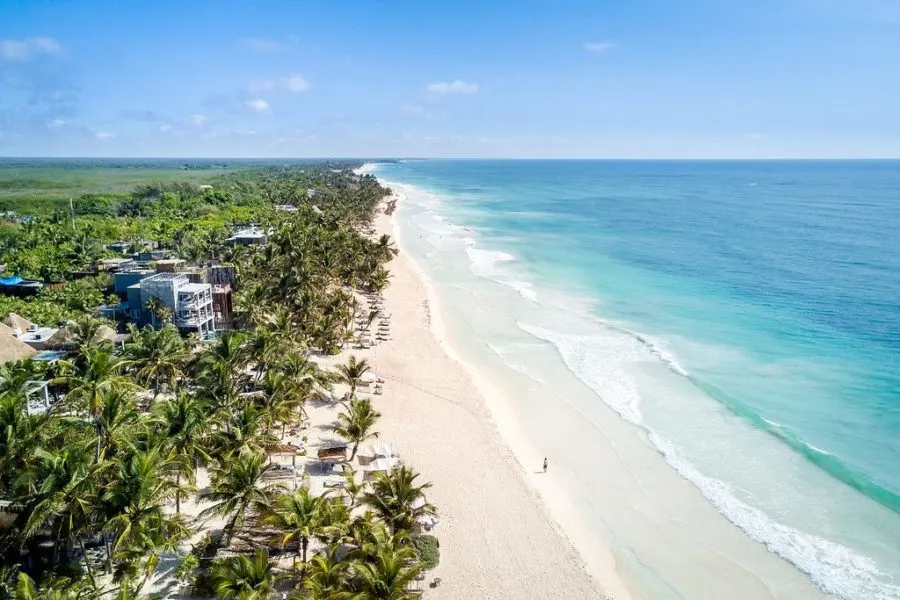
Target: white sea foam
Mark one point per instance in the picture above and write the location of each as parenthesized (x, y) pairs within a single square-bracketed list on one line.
[(655, 347), (835, 568), (486, 264), (598, 361), (525, 289), (366, 169)]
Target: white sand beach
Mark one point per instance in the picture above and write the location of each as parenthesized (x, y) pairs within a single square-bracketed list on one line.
[(497, 538)]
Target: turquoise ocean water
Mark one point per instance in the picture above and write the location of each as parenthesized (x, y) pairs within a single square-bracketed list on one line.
[(745, 315)]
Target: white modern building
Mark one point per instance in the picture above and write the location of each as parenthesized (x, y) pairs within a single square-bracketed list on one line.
[(191, 303)]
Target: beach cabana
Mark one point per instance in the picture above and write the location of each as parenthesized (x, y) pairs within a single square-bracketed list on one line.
[(381, 465), (64, 338), (368, 454), (333, 453), (11, 348)]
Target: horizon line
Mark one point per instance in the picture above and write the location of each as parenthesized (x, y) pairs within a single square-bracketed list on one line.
[(396, 158)]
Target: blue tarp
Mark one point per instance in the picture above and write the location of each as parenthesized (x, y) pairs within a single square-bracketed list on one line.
[(15, 279)]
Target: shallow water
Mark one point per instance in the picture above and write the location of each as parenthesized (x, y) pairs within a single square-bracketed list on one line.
[(742, 316)]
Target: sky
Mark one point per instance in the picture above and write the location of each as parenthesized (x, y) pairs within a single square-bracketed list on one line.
[(428, 78)]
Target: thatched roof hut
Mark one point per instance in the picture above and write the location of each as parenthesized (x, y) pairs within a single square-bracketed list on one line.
[(65, 337), (15, 321), (11, 348)]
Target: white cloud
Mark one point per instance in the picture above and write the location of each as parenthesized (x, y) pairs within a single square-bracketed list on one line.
[(259, 105), (102, 135), (198, 120), (296, 84), (293, 83), (598, 46), (262, 45), (55, 123), (165, 127), (26, 49), (453, 87)]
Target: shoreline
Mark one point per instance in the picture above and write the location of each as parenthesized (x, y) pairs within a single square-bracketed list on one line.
[(637, 525), (532, 555)]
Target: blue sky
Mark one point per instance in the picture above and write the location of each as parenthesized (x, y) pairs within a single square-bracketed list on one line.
[(552, 78)]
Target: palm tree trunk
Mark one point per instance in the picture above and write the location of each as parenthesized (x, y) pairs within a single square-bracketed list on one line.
[(109, 565), (353, 453), (87, 565), (147, 574), (98, 429), (178, 493)]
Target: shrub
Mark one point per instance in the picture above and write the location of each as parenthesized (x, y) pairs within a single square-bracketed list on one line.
[(428, 550), (186, 567)]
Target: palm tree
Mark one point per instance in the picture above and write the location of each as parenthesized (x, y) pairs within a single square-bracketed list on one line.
[(20, 436), (87, 332), (185, 428), (118, 423), (370, 536), (99, 372), (386, 576), (97, 379), (66, 496), (357, 423), (159, 311), (353, 372), (384, 248), (230, 349), (282, 401), (157, 356), (60, 589), (245, 431), (398, 500), (220, 375), (135, 503), (242, 578), (263, 348), (326, 575), (299, 516), (237, 486)]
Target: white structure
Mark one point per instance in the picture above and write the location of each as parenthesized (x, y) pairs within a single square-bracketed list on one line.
[(38, 396), (191, 303), (249, 237), (35, 336)]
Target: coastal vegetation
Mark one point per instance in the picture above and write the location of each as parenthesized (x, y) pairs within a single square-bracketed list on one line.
[(154, 460)]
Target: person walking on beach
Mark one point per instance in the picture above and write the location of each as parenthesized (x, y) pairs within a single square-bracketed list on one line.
[(545, 464)]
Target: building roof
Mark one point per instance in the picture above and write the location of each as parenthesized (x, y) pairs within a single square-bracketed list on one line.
[(66, 336), (164, 276), (194, 287), (12, 349), (248, 233), (37, 336), (17, 322)]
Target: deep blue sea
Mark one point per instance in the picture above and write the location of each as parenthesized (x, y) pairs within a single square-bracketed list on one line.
[(769, 289)]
